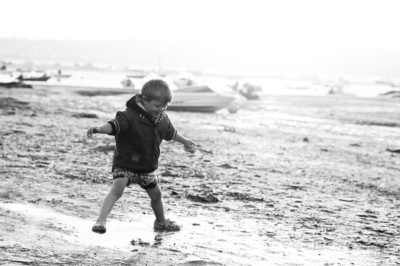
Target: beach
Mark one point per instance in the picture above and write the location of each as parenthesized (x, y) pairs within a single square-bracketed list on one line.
[(287, 180)]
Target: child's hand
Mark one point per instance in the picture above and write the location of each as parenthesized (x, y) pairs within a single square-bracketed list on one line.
[(190, 146), (91, 131)]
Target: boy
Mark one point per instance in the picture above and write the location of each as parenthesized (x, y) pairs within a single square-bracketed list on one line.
[(139, 131)]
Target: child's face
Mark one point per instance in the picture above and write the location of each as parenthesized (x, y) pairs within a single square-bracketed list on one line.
[(154, 107)]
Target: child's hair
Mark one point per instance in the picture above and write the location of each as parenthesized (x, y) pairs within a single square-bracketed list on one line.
[(157, 89)]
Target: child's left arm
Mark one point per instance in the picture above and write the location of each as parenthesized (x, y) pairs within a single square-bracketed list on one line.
[(190, 146)]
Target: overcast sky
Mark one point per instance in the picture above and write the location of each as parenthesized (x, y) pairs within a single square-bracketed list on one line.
[(293, 28)]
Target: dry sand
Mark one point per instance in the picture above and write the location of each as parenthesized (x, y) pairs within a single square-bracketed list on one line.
[(288, 180)]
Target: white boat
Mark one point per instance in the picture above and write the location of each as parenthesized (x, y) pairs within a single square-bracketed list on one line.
[(184, 80), (199, 99)]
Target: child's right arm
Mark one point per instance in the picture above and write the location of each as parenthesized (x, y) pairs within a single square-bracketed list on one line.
[(103, 129)]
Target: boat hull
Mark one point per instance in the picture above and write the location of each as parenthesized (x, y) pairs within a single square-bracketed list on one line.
[(42, 78), (200, 102)]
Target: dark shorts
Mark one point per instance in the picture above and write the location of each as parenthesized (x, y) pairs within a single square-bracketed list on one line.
[(145, 180)]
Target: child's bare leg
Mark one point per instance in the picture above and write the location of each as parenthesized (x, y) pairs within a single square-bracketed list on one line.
[(156, 202), (115, 193)]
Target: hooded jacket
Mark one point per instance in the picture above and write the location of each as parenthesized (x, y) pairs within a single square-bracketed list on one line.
[(138, 137)]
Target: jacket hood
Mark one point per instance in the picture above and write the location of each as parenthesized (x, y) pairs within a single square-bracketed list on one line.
[(132, 103)]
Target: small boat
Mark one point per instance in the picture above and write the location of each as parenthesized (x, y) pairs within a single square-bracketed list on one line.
[(137, 75), (393, 94), (31, 77), (184, 80), (247, 90), (199, 99), (128, 83), (61, 76)]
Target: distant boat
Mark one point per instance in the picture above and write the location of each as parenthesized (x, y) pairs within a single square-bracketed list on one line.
[(128, 83), (249, 91), (61, 76), (392, 94), (137, 76), (185, 79), (199, 99), (33, 77)]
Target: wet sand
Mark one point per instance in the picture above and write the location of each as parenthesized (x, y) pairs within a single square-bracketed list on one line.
[(288, 180)]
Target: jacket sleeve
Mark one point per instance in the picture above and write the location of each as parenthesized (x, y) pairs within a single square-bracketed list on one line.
[(119, 124), (170, 132)]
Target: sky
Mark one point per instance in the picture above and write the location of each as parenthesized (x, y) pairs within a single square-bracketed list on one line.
[(280, 31)]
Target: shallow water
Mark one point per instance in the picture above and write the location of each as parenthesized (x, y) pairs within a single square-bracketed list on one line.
[(215, 241)]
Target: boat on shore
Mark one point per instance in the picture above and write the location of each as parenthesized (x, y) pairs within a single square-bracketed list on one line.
[(199, 99), (192, 98), (33, 77), (247, 90)]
